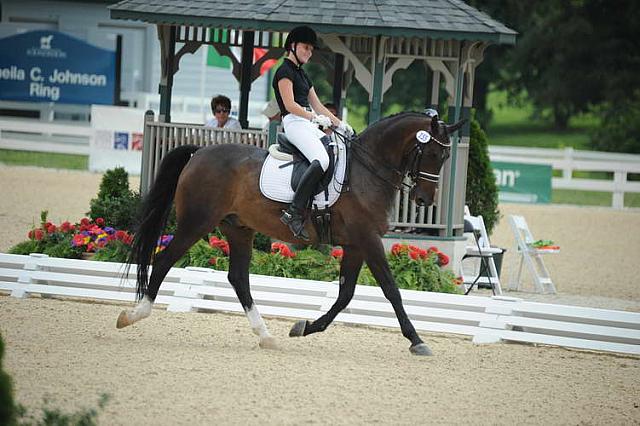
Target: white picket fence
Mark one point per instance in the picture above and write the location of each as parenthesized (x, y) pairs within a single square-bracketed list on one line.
[(486, 319), (42, 136), (569, 160)]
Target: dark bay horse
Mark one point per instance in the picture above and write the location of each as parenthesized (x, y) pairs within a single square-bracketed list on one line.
[(218, 186)]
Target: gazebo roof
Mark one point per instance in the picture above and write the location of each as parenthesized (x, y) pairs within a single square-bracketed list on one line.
[(438, 19)]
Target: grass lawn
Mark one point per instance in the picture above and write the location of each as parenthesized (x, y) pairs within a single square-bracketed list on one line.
[(513, 126), (44, 159)]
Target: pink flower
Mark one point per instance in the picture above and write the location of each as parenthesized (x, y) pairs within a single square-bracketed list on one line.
[(99, 221)]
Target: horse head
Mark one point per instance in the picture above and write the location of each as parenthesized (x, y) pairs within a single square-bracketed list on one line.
[(432, 148)]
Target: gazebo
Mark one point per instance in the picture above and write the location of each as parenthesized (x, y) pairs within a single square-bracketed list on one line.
[(365, 40)]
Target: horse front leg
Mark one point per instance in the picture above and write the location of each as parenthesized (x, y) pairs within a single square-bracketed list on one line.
[(377, 262), (240, 245), (349, 270)]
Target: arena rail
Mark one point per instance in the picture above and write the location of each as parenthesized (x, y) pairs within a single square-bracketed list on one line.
[(40, 136), (485, 319)]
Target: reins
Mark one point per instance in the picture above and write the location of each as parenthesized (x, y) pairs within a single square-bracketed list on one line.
[(369, 162)]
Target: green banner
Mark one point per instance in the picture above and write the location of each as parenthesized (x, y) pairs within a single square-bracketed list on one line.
[(523, 183)]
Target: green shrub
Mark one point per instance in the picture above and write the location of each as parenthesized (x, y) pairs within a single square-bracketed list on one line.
[(116, 203), (114, 251), (7, 407), (26, 247), (482, 192), (262, 242), (49, 239)]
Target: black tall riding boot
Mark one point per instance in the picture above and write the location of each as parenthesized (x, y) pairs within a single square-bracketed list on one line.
[(294, 215)]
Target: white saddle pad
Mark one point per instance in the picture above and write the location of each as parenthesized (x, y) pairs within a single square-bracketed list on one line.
[(275, 182)]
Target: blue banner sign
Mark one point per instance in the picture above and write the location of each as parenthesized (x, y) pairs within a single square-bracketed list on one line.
[(49, 66)]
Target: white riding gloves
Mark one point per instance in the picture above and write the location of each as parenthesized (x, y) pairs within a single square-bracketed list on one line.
[(321, 121), (345, 128)]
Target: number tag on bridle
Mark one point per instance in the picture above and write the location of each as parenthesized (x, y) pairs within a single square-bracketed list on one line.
[(423, 136)]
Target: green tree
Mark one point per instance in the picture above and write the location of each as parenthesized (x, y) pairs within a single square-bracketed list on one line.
[(7, 407), (569, 56)]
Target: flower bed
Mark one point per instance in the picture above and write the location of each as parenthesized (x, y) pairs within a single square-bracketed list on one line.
[(413, 267)]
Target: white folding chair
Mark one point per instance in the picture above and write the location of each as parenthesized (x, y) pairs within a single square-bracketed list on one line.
[(478, 265), (530, 257)]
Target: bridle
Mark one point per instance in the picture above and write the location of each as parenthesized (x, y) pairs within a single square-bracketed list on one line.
[(411, 161), (415, 174)]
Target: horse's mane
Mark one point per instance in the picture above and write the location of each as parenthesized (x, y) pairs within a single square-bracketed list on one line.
[(385, 120)]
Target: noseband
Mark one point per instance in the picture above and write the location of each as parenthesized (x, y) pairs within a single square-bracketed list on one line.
[(417, 151)]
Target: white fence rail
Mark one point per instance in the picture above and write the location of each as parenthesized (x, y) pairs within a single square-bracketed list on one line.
[(569, 160), (40, 136), (68, 138), (487, 320)]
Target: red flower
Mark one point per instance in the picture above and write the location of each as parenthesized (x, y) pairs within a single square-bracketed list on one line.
[(221, 244), (78, 240), (414, 255), (38, 234), (397, 249), (282, 249), (443, 259), (85, 221), (66, 227), (337, 253), (213, 261), (51, 228), (90, 247), (99, 221)]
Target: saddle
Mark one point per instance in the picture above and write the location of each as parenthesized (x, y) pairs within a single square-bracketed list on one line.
[(285, 150), (283, 168)]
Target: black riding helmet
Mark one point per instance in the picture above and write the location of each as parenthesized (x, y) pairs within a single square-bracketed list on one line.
[(301, 34)]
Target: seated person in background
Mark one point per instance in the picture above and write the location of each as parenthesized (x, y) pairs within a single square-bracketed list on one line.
[(332, 108), (272, 111), (221, 107)]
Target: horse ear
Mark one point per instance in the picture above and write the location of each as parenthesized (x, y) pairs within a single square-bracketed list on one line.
[(455, 127), (434, 124)]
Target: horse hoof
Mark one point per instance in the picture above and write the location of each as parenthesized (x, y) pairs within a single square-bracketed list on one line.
[(298, 329), (123, 320), (421, 349), (269, 343)]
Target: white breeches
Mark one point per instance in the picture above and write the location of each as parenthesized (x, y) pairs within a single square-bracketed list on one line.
[(306, 137)]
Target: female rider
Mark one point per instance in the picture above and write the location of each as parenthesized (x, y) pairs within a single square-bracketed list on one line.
[(302, 115)]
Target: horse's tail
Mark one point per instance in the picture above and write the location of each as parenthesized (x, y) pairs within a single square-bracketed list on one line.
[(155, 210)]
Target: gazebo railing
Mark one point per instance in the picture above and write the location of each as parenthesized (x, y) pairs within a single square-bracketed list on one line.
[(160, 138)]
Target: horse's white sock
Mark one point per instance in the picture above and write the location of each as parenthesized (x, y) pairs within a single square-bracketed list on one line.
[(257, 324), (142, 309)]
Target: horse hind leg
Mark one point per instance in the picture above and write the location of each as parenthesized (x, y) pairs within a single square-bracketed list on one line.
[(240, 244), (187, 233)]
